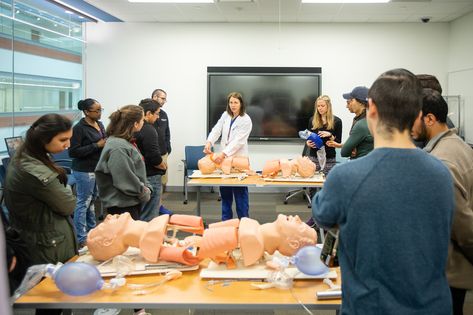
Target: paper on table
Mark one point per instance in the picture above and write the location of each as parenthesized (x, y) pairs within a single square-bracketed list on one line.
[(216, 174), (258, 271), (317, 178)]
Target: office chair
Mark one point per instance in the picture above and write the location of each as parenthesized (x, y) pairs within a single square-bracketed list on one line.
[(304, 190), (192, 155), (5, 162), (63, 160), (3, 173)]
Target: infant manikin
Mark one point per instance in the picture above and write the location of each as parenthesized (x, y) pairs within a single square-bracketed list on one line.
[(237, 164), (113, 237), (300, 165)]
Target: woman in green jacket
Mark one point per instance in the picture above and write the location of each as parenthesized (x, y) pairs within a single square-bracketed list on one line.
[(40, 203)]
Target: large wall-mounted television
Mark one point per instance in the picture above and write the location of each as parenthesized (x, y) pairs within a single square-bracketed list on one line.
[(279, 100)]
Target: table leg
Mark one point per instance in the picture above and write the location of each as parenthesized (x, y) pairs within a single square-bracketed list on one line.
[(198, 202)]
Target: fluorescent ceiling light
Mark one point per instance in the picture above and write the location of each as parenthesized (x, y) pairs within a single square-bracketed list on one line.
[(345, 1), (171, 1)]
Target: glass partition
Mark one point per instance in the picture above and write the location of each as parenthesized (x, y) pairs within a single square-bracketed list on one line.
[(41, 71)]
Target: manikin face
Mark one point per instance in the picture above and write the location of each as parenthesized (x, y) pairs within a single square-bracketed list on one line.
[(322, 107), (295, 234), (235, 106), (419, 130), (106, 240), (60, 142)]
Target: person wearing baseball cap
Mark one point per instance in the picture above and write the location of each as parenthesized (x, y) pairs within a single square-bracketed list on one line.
[(360, 141)]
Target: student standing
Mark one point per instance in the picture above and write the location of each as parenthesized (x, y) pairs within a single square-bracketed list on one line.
[(234, 126), (394, 232), (457, 155), (328, 127), (360, 140), (87, 142), (147, 141), (39, 201), (164, 133), (121, 172)]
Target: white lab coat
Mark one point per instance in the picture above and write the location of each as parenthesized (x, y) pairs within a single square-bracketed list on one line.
[(235, 141)]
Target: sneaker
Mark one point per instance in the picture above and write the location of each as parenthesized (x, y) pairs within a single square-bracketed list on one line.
[(163, 210), (141, 312), (107, 311)]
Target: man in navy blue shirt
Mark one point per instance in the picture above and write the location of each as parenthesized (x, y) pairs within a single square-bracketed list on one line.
[(164, 137), (394, 209)]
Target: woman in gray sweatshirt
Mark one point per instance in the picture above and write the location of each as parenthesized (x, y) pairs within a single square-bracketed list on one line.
[(121, 171)]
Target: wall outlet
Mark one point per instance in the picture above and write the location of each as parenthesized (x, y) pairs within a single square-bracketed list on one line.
[(180, 167)]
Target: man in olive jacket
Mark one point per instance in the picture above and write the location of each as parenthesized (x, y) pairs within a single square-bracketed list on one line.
[(444, 144), (40, 209)]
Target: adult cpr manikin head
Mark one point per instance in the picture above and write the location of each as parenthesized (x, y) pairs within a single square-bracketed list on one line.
[(106, 240), (287, 234)]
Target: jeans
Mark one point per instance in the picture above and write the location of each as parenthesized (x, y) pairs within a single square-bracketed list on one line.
[(151, 208), (241, 201), (84, 213)]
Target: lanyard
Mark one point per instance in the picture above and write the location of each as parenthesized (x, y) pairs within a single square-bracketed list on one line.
[(230, 129)]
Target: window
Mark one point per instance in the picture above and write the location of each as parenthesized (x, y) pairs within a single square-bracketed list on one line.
[(41, 69)]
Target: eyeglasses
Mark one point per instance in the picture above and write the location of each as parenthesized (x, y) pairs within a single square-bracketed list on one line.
[(97, 111)]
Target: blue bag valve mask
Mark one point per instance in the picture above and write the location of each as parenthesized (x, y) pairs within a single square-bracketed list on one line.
[(319, 144)]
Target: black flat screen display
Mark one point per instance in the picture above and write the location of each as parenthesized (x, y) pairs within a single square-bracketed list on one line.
[(280, 101)]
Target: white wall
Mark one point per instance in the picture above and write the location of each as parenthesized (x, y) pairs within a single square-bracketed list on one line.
[(460, 68), (126, 61)]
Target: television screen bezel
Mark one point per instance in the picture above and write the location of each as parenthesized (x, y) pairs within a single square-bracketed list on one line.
[(214, 70)]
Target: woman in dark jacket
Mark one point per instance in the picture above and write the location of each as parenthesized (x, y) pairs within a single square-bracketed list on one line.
[(328, 127), (39, 201), (87, 142)]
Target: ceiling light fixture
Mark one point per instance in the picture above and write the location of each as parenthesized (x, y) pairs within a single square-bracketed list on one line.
[(171, 1), (71, 10), (345, 1)]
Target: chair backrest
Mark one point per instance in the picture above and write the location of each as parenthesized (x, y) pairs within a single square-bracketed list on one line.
[(5, 162), (13, 143), (63, 159), (64, 155), (192, 155), (3, 174)]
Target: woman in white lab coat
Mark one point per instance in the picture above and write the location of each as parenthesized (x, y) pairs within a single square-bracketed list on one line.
[(235, 127)]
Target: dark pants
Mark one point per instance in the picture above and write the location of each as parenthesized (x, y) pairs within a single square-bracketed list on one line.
[(133, 210), (241, 201), (40, 311), (458, 299), (329, 164)]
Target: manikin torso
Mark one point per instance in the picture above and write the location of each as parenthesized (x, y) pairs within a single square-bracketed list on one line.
[(235, 164), (301, 165)]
